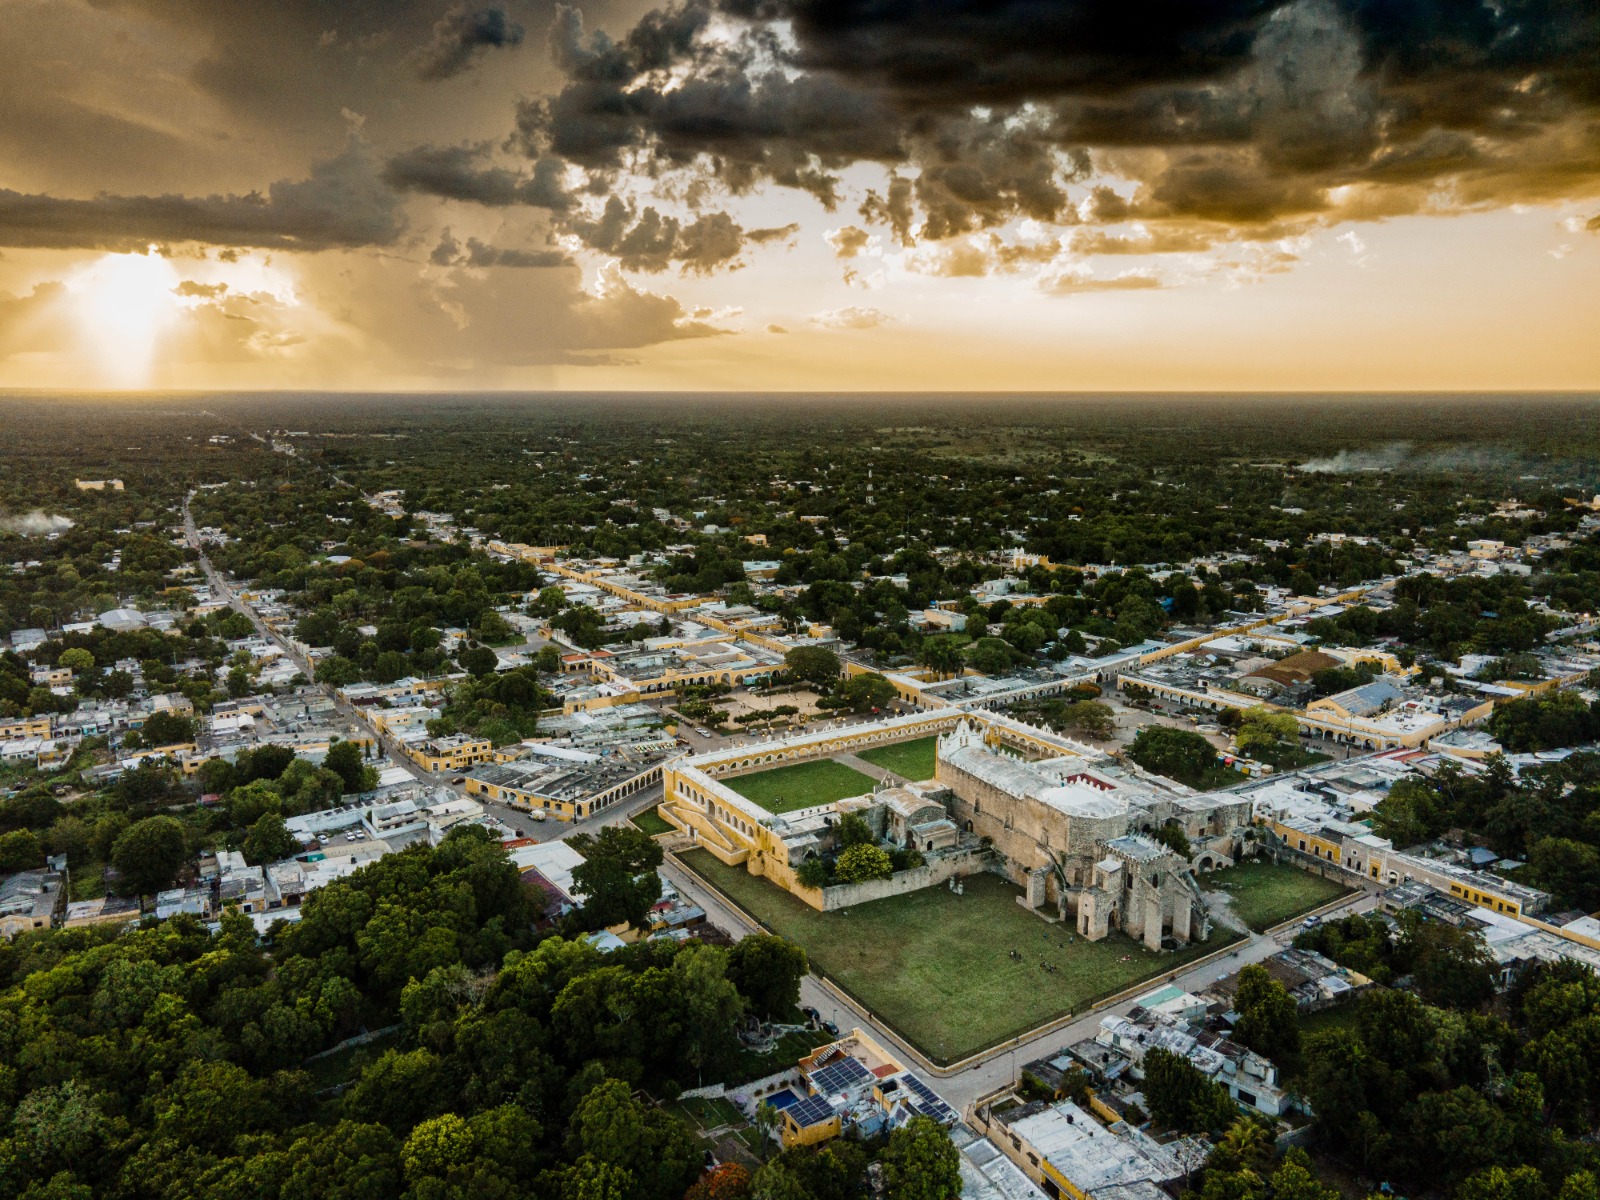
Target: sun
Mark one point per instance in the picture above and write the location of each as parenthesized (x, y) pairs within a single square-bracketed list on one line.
[(125, 304)]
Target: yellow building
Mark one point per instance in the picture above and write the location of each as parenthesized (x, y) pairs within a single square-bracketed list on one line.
[(24, 727), (456, 753)]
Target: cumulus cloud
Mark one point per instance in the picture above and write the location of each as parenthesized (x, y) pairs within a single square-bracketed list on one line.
[(1249, 115), (650, 241), (462, 36), (848, 241), (852, 316), (342, 202)]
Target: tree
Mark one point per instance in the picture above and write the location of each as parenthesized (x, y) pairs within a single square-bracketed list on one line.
[(1451, 967), (1295, 1180), (1170, 834), (344, 759), (861, 693), (166, 729), (1265, 731), (1568, 868), (149, 854), (76, 660), (1090, 718), (861, 863), (990, 655), (813, 664), (478, 661), (921, 1163), (389, 666), (1497, 1183), (725, 1181), (1269, 1020), (19, 850), (1181, 1097), (854, 831), (611, 1127), (1176, 753), (767, 970), (617, 877), (711, 1002), (269, 840)]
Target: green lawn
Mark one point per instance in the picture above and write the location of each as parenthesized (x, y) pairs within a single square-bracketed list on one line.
[(936, 966), (653, 823), (1265, 894), (909, 760), (804, 785), (789, 1049)]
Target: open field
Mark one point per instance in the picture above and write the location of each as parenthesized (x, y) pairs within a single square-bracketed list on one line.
[(1266, 893), (784, 789), (936, 966), (652, 822), (909, 760)]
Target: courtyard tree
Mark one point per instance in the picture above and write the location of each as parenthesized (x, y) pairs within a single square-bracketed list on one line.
[(617, 877), (813, 664), (921, 1162), (268, 841), (991, 655), (1266, 731), (863, 862), (345, 760), (1090, 718), (767, 970), (1269, 1020), (1176, 753), (1180, 1096), (76, 659), (149, 854), (862, 693)]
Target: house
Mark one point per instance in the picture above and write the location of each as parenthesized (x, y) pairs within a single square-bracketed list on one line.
[(1068, 1152), (455, 753), (855, 1083), (31, 900), (1251, 1079), (105, 910)]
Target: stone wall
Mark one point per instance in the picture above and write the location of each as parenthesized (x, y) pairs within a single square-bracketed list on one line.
[(934, 873)]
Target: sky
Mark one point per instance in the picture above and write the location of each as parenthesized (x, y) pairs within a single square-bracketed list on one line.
[(800, 195)]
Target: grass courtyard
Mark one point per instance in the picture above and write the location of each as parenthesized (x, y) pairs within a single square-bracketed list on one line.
[(909, 760), (1265, 894), (937, 966), (652, 822), (804, 785)]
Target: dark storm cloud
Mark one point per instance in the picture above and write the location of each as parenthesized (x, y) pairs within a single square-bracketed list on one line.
[(460, 37), (463, 173), (1244, 112), (649, 241), (341, 203), (451, 253)]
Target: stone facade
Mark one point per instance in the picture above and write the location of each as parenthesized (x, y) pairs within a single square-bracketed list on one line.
[(1067, 831)]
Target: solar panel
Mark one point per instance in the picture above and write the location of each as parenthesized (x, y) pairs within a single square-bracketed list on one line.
[(928, 1102), (813, 1110), (841, 1076)]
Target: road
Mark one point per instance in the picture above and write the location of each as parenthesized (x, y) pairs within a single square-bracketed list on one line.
[(999, 1068)]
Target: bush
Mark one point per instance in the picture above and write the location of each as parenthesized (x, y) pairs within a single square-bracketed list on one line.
[(862, 863)]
